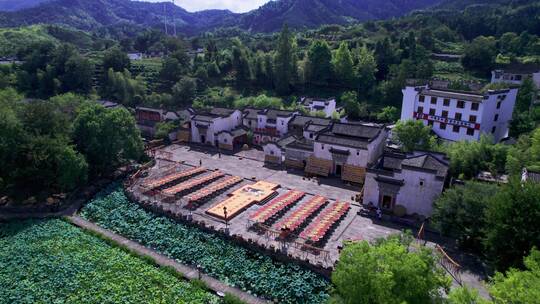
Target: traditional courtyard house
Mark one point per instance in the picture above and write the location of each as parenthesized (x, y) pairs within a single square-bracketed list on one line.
[(412, 181), (274, 152), (232, 140), (346, 150), (297, 125), (147, 119), (327, 106), (206, 126), (459, 115), (516, 73), (298, 152), (272, 125), (250, 118)]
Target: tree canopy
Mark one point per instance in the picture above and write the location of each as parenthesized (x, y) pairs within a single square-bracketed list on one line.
[(388, 272)]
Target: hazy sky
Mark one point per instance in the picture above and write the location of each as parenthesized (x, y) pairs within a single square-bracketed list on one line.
[(237, 6)]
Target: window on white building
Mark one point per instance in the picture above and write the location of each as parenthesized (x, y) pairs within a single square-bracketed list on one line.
[(458, 116), (431, 111), (455, 129), (446, 102), (472, 118), (420, 110), (442, 126), (422, 182), (496, 117), (470, 131), (461, 104), (499, 105), (445, 114), (433, 100), (493, 129), (475, 106), (421, 98)]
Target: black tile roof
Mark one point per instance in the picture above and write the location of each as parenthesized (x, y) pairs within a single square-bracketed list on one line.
[(467, 96), (301, 144), (520, 68), (302, 120), (350, 135), (223, 112), (426, 161), (251, 113), (274, 114)]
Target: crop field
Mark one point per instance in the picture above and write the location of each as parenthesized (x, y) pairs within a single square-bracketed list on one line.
[(219, 258), (54, 262)]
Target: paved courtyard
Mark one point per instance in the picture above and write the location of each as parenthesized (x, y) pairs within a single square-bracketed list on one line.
[(250, 166)]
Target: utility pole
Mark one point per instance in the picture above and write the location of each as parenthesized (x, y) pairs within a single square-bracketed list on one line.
[(173, 17), (165, 15)]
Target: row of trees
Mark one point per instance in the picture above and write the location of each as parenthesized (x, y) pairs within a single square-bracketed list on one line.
[(58, 144)]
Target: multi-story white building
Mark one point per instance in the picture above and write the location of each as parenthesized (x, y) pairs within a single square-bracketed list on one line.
[(456, 115), (412, 181), (205, 127), (328, 106)]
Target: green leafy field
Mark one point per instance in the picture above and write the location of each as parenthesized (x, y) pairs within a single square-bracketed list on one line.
[(219, 258), (55, 262)]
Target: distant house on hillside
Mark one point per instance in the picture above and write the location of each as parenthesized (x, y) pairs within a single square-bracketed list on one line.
[(135, 56), (530, 176), (517, 72), (148, 118)]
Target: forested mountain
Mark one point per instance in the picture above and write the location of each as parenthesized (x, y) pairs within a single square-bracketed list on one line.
[(15, 5), (88, 14), (313, 13)]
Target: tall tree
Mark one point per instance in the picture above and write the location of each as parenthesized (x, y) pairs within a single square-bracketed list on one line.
[(319, 62), (512, 228), (114, 58), (388, 273), (107, 137), (459, 212), (284, 62), (518, 286), (365, 71), (413, 135), (344, 65)]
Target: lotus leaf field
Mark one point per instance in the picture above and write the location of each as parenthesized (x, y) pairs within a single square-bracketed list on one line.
[(219, 258), (55, 262)]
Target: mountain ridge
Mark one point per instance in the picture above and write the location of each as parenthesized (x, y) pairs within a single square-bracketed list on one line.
[(89, 14)]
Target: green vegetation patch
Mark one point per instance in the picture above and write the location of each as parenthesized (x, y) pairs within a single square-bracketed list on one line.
[(217, 257), (55, 262)]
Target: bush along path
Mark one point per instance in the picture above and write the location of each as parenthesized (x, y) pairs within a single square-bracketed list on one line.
[(231, 264)]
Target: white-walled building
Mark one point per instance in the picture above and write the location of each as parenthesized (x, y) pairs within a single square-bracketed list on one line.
[(456, 115), (413, 181), (135, 56), (346, 150), (328, 106), (516, 74), (206, 126), (271, 125)]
